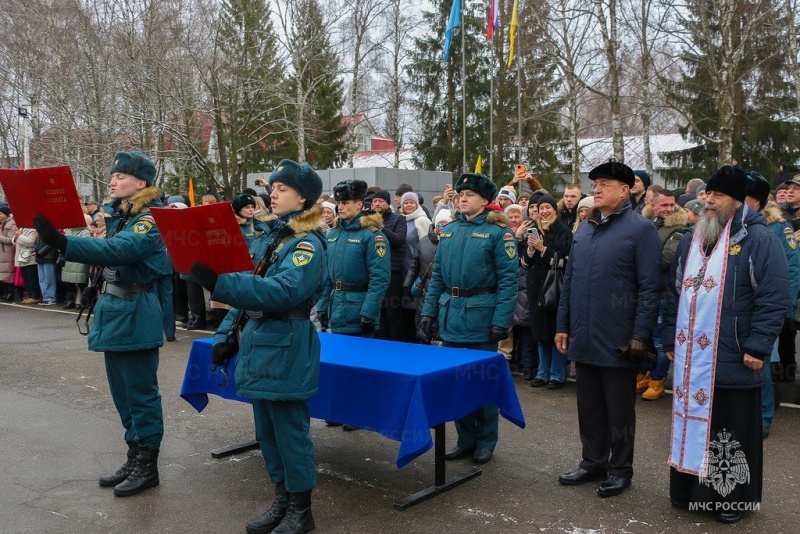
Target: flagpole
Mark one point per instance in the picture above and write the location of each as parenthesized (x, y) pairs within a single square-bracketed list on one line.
[(463, 94), (519, 100), (491, 109)]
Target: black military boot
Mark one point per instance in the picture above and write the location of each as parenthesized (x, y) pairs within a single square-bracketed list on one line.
[(124, 471), (298, 516), (143, 476), (270, 519)]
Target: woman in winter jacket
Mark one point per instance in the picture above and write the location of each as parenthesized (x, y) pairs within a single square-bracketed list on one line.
[(8, 269), (554, 238), (25, 241), (419, 273), (74, 274), (527, 347), (417, 227)]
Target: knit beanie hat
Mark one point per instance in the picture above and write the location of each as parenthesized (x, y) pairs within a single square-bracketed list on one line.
[(242, 200), (506, 193), (445, 216), (547, 199), (409, 196), (384, 195)]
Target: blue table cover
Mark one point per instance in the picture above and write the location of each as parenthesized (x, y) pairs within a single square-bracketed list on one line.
[(400, 390)]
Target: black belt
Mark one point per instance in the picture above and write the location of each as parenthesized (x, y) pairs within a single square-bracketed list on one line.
[(127, 291), (342, 286), (457, 292)]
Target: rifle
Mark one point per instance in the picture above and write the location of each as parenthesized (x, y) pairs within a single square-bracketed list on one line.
[(90, 295), (239, 322)]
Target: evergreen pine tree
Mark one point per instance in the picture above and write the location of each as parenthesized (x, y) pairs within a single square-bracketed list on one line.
[(731, 86), (317, 133), (438, 95), (247, 100)]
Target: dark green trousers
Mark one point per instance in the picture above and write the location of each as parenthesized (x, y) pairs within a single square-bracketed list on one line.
[(133, 380), (283, 432), (480, 428)]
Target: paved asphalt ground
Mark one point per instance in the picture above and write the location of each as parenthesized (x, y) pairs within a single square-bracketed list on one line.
[(59, 431)]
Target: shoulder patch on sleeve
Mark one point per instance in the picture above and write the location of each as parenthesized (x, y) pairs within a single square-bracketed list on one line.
[(379, 238), (511, 248), (301, 257), (508, 235), (789, 235), (148, 218), (142, 226), (305, 245)]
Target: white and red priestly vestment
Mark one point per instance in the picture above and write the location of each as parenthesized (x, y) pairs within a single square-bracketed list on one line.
[(696, 337)]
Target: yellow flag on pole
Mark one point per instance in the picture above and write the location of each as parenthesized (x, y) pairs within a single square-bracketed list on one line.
[(512, 34), (191, 193), (478, 166)]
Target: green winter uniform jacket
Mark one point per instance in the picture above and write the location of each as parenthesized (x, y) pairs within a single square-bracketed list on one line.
[(137, 253), (481, 253), (358, 253), (278, 358)]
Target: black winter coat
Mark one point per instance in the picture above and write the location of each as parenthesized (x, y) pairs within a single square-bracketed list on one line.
[(558, 239), (394, 228)]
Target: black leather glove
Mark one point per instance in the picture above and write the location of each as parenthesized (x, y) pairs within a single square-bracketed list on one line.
[(222, 353), (204, 275), (322, 317), (48, 234), (426, 326), (498, 333), (367, 326), (638, 349)]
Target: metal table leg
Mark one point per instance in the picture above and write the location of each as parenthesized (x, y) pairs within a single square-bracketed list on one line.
[(440, 483), (234, 449)]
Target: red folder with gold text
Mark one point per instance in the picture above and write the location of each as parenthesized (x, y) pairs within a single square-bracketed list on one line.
[(50, 191), (208, 234)]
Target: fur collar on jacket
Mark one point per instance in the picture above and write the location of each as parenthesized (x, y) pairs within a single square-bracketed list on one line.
[(371, 220), (500, 219), (306, 221), (678, 218), (494, 217), (140, 202), (772, 212)]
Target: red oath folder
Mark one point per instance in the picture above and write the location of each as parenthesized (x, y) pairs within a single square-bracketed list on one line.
[(208, 234), (50, 191)]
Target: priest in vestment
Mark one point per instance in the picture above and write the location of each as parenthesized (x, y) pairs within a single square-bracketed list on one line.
[(724, 307)]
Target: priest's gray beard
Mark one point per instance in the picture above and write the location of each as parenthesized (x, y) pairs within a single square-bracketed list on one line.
[(712, 222)]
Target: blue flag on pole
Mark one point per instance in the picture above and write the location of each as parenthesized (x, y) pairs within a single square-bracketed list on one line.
[(452, 22)]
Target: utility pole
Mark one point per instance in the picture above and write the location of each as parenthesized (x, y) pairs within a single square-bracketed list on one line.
[(23, 116), (23, 111)]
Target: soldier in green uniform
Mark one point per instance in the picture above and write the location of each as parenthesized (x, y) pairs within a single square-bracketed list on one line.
[(359, 265), (278, 362), (472, 291), (127, 324)]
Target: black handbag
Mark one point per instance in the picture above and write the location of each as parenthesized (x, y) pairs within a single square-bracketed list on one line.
[(550, 292)]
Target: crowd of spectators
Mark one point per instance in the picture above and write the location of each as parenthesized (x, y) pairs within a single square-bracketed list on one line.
[(34, 274)]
